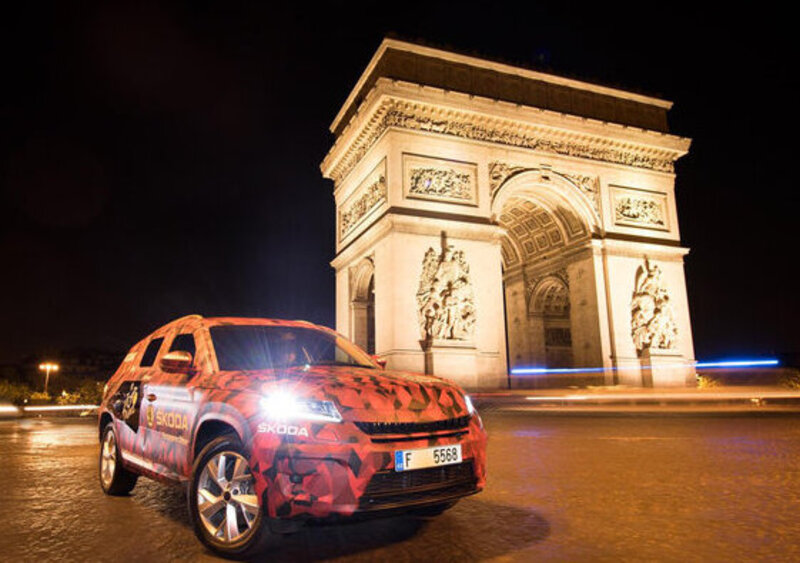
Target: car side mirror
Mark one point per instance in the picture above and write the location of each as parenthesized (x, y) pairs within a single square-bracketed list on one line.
[(177, 361), (380, 361)]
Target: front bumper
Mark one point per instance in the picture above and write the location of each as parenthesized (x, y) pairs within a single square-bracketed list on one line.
[(339, 470)]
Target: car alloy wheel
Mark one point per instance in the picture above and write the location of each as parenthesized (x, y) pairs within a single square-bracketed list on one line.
[(114, 478), (226, 499), (108, 459)]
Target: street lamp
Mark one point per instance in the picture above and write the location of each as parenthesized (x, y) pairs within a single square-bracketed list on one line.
[(47, 367)]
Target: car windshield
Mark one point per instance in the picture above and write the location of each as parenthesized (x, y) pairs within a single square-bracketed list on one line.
[(253, 347)]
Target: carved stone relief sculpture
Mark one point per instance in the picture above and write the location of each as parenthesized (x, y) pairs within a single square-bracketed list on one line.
[(652, 318), (439, 179), (634, 207), (445, 299), (369, 195), (638, 210), (441, 182)]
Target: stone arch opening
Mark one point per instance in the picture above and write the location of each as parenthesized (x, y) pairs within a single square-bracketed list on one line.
[(362, 304), (548, 311), (546, 224), (573, 199)]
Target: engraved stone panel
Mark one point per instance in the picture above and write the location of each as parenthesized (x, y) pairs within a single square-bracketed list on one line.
[(369, 194), (445, 299), (639, 208), (440, 180)]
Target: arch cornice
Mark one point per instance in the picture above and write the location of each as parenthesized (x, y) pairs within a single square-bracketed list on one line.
[(392, 104)]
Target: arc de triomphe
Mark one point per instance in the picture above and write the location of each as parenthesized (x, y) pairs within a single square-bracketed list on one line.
[(492, 217)]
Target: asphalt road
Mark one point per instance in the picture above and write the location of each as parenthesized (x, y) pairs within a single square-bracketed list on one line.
[(565, 488)]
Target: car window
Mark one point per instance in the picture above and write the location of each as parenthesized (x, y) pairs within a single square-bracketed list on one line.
[(184, 343), (149, 356), (256, 347)]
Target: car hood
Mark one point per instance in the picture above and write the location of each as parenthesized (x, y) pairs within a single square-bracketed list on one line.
[(364, 394)]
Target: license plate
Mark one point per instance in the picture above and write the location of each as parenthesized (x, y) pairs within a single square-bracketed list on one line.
[(405, 460)]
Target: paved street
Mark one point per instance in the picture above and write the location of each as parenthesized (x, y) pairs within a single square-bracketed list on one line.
[(565, 488)]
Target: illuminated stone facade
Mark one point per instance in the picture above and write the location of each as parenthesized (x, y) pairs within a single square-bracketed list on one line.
[(490, 217)]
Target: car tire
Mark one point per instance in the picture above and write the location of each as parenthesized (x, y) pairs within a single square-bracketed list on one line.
[(115, 480), (225, 511), (433, 509)]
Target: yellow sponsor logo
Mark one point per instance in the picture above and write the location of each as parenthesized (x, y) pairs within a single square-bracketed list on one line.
[(172, 419), (150, 415)]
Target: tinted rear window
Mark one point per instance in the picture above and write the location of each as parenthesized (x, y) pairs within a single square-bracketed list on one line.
[(149, 357)]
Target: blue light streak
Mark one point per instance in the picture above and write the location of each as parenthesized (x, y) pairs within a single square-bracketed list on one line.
[(737, 363), (719, 364), (535, 371)]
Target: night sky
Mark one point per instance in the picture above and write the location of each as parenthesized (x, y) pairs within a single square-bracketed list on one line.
[(163, 159)]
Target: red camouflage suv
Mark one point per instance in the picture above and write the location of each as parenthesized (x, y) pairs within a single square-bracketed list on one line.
[(271, 423)]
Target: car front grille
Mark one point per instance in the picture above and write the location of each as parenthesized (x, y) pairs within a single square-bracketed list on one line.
[(373, 428), (391, 489)]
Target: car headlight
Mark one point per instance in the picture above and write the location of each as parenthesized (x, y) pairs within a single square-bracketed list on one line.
[(285, 406), (470, 407)]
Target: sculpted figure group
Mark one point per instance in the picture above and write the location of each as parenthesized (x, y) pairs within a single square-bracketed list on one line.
[(652, 319), (445, 298)]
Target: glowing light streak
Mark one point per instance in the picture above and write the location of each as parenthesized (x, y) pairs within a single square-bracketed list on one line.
[(720, 364), (737, 363), (46, 408), (534, 371)]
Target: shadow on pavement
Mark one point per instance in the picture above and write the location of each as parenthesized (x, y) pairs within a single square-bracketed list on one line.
[(169, 500), (461, 533)]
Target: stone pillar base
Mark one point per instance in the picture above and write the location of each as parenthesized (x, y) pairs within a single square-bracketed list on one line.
[(452, 359), (665, 368), (628, 372)]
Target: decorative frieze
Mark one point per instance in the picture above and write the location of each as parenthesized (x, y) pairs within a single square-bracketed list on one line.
[(639, 208), (369, 194), (440, 179), (465, 125), (440, 183), (652, 319), (445, 299)]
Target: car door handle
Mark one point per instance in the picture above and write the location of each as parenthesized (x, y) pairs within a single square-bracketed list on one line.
[(151, 397)]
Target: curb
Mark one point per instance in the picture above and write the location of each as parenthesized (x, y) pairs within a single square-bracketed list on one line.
[(738, 401)]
